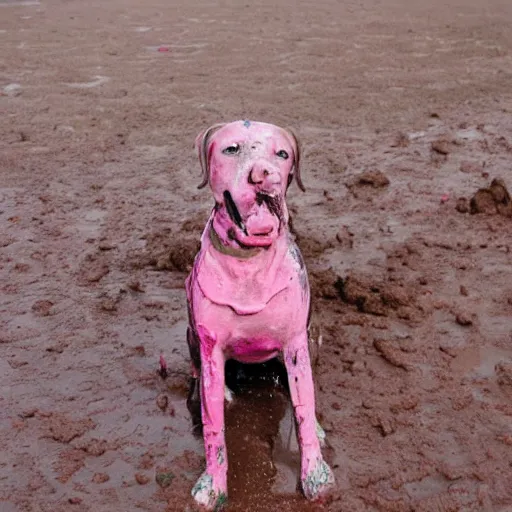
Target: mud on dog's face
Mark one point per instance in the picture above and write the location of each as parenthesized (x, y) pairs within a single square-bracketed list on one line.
[(249, 167)]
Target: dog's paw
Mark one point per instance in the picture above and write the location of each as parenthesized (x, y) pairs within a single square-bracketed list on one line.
[(318, 480), (228, 395), (206, 493), (320, 433)]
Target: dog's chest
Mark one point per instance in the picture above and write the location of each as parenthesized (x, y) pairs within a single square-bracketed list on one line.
[(247, 287), (256, 337)]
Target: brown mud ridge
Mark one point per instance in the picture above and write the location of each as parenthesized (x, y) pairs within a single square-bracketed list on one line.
[(403, 110), (492, 200), (163, 253)]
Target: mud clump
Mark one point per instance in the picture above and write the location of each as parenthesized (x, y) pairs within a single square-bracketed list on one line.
[(493, 200), (69, 462), (173, 250), (179, 257), (64, 430), (504, 373), (464, 319), (195, 225), (310, 248), (442, 146), (483, 202), (142, 479), (94, 447), (377, 298), (462, 205), (93, 269), (322, 284), (345, 238), (402, 140), (392, 354), (42, 307), (373, 178), (164, 478), (470, 167), (167, 250), (384, 423), (100, 478), (162, 401), (136, 286)]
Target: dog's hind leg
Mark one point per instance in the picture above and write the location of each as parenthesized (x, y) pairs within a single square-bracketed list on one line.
[(316, 475)]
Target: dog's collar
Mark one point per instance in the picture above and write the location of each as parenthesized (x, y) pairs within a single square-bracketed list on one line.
[(231, 251)]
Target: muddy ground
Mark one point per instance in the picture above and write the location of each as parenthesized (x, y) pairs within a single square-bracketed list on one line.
[(404, 111)]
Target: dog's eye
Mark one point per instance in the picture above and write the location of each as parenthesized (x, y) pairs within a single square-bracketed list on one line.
[(282, 154), (234, 149)]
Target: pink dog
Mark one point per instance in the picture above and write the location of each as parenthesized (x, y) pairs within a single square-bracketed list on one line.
[(248, 292)]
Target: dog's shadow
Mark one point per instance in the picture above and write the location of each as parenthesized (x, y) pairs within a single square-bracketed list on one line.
[(263, 455)]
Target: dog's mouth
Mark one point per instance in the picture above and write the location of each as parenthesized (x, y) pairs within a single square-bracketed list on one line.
[(273, 203), (261, 225)]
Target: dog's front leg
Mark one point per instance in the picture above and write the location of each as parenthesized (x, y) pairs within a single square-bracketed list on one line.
[(211, 488), (316, 476)]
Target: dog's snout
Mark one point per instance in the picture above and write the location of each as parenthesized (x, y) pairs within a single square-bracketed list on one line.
[(261, 174), (257, 176)]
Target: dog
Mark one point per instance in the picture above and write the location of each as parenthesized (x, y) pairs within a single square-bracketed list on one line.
[(248, 292)]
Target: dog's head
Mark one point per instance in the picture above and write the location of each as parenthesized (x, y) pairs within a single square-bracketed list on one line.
[(249, 167)]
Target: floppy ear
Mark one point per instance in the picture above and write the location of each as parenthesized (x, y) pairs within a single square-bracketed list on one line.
[(202, 141), (296, 159)]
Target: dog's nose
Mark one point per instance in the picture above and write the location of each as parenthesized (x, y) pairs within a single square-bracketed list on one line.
[(262, 174)]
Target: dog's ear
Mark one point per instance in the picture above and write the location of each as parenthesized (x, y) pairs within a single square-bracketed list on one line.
[(202, 141), (296, 159)]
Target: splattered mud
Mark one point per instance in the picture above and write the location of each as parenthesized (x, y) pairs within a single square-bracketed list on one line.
[(404, 111)]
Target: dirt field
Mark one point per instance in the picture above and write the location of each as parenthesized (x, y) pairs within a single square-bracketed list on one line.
[(404, 112)]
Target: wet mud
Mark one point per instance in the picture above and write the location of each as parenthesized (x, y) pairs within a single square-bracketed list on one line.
[(403, 111)]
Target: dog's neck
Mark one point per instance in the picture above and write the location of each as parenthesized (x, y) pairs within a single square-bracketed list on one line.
[(231, 249)]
